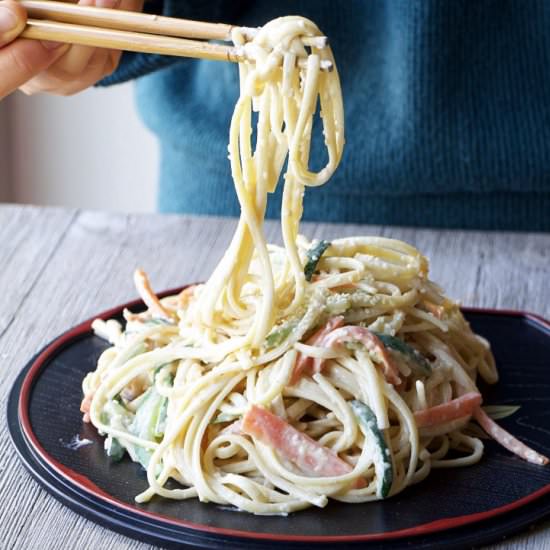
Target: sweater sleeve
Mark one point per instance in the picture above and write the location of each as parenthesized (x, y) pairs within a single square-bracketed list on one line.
[(133, 65)]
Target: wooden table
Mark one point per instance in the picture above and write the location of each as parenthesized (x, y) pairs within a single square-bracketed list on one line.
[(59, 267)]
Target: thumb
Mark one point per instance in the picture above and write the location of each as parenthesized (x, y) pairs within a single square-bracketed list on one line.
[(13, 19)]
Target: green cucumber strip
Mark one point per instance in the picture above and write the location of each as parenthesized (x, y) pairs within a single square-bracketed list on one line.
[(279, 335), (116, 415), (383, 461), (164, 373), (150, 416), (313, 256), (143, 456), (146, 422), (160, 426), (119, 400), (147, 415), (396, 344), (158, 369), (114, 449), (138, 401)]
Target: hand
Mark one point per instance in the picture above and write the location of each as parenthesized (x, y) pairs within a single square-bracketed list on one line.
[(35, 66)]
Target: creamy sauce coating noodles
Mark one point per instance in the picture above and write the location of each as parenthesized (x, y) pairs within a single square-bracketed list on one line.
[(297, 374)]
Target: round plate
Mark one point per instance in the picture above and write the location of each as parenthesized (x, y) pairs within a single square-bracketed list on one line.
[(452, 508)]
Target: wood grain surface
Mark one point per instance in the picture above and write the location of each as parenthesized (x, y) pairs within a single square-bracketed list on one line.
[(59, 267)]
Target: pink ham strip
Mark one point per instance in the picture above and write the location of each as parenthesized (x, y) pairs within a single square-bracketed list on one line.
[(85, 407), (352, 333), (465, 405), (507, 440), (309, 456), (304, 364)]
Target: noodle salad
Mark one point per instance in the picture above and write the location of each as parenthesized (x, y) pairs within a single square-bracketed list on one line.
[(302, 372)]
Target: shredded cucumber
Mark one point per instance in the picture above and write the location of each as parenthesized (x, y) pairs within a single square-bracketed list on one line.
[(114, 449), (148, 422), (160, 426), (163, 375), (313, 256), (143, 456), (396, 344), (279, 335), (382, 461), (116, 415)]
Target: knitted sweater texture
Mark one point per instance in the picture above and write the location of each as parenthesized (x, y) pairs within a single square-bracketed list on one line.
[(447, 112)]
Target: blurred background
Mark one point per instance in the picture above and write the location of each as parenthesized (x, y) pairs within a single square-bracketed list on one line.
[(87, 151)]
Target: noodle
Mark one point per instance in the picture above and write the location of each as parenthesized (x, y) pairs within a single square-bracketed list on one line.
[(296, 373)]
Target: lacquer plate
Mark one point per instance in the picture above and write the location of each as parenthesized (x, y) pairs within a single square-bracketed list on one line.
[(452, 508)]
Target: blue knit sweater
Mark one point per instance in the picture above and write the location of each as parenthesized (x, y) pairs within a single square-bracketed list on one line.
[(447, 112)]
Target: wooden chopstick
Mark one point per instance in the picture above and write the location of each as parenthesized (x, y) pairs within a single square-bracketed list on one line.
[(138, 32), (130, 41), (63, 12)]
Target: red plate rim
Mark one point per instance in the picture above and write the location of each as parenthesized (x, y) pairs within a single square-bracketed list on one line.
[(86, 485)]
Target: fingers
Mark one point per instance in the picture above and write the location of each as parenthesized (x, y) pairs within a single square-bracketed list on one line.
[(21, 60), (76, 60), (55, 81), (13, 19), (81, 66), (36, 67), (132, 5)]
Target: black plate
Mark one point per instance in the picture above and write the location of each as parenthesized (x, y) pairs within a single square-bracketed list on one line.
[(452, 508)]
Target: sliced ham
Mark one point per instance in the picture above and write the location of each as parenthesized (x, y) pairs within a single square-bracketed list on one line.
[(465, 405), (310, 457), (85, 407), (304, 364), (507, 440), (362, 335)]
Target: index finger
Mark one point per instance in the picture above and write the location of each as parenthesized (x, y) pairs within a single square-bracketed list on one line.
[(13, 19), (22, 60)]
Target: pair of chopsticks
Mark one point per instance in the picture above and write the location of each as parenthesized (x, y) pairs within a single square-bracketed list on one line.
[(136, 32), (125, 30)]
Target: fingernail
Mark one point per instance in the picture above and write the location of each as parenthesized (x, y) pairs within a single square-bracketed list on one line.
[(107, 3), (49, 45), (8, 21)]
